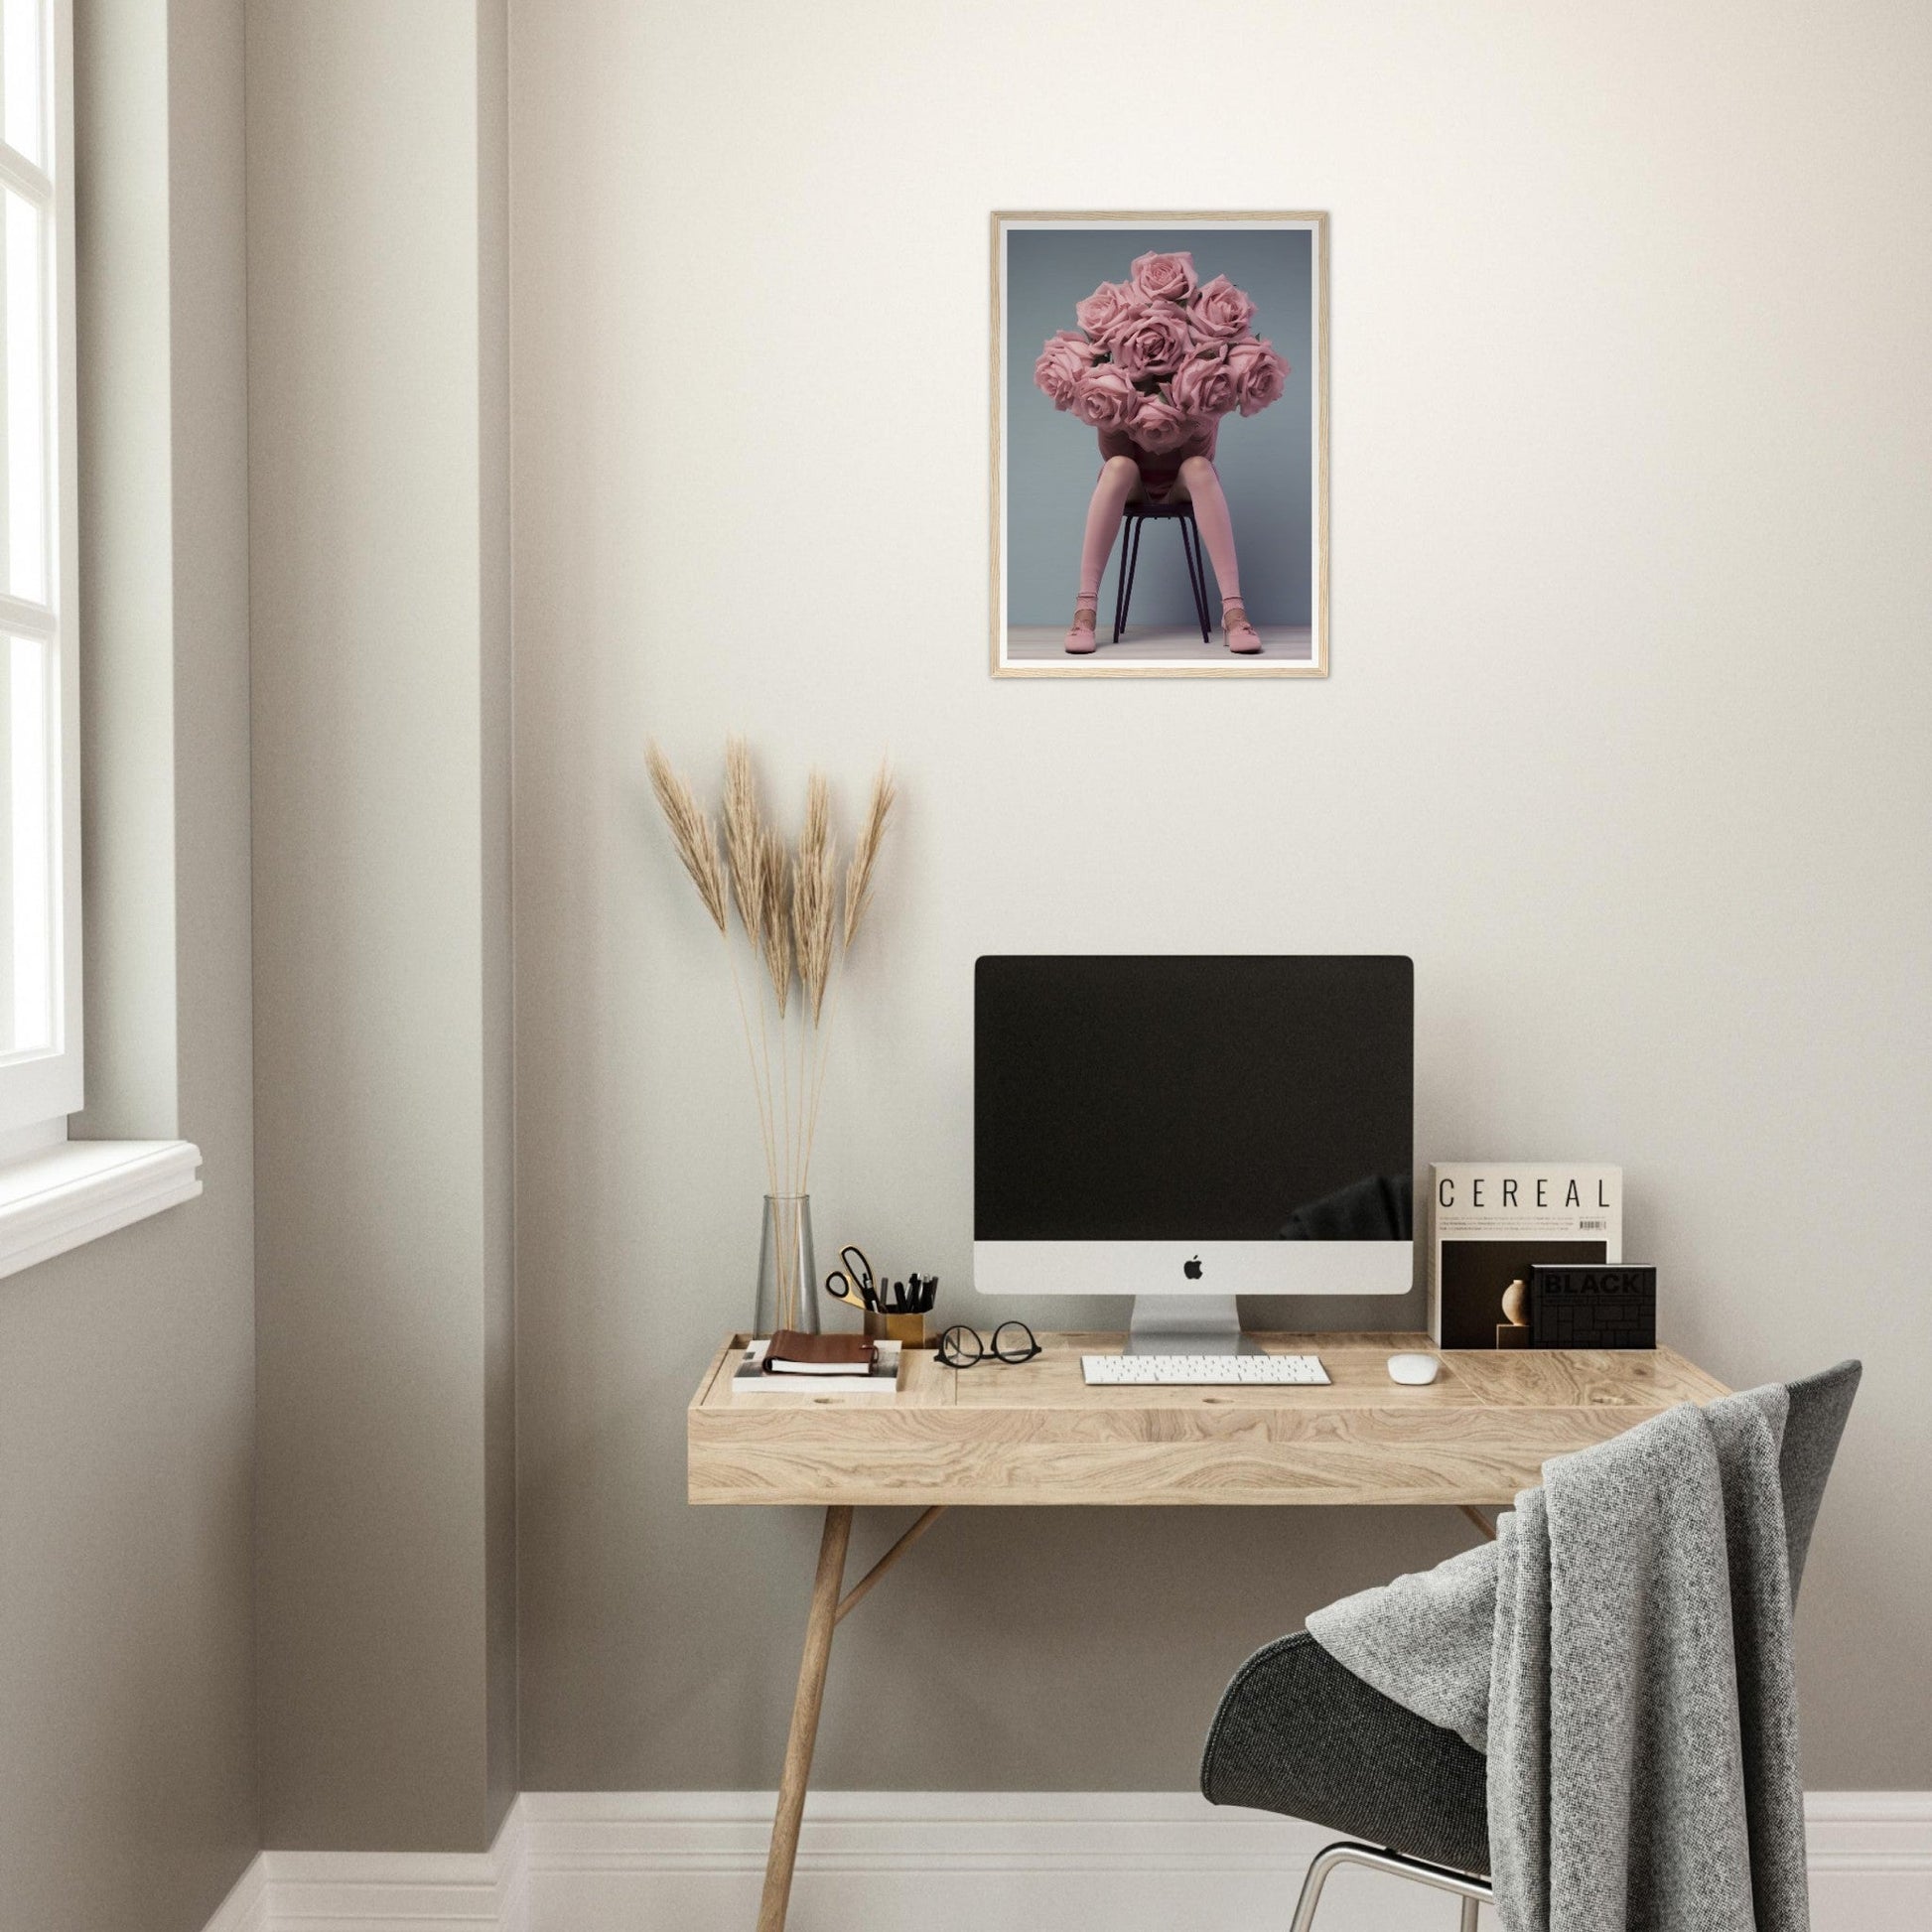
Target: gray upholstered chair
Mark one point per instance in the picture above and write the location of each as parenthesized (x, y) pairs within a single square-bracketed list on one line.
[(1299, 1734)]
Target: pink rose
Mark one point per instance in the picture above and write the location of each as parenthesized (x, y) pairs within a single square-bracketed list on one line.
[(1261, 374), (1152, 343), (1219, 311), (1205, 384), (1059, 366), (1104, 399), (1163, 278), (1159, 426), (1103, 312)]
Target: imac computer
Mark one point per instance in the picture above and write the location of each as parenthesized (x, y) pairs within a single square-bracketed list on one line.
[(1184, 1130)]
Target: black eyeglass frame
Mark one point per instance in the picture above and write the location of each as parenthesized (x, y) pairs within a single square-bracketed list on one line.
[(949, 1356)]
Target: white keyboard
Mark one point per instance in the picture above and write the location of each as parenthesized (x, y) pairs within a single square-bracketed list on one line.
[(1203, 1371)]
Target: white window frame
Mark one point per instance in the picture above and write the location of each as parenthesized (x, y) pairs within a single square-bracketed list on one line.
[(39, 1088), (57, 1192)]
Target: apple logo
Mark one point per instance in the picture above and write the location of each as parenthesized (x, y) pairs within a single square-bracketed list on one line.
[(1191, 1268)]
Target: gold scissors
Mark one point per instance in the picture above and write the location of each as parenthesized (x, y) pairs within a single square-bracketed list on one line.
[(852, 1282)]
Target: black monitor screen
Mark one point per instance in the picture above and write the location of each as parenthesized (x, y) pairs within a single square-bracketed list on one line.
[(1254, 1098)]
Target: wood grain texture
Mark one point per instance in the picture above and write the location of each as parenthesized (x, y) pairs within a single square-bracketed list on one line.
[(1034, 1434)]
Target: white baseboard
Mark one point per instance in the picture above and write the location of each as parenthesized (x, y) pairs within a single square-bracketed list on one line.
[(385, 1891), (953, 1861), (940, 1861)]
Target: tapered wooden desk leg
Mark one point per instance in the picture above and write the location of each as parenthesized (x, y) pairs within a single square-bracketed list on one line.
[(804, 1718)]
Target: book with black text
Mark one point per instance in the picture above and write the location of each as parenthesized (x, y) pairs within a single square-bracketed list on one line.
[(1489, 1221)]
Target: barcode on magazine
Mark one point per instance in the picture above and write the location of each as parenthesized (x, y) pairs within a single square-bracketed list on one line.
[(1592, 1226)]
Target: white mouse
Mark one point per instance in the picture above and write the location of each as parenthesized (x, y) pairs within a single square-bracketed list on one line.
[(1413, 1369)]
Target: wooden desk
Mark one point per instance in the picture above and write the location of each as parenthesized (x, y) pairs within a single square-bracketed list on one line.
[(1034, 1434)]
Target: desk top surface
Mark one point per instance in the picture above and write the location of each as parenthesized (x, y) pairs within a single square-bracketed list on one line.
[(1034, 1433)]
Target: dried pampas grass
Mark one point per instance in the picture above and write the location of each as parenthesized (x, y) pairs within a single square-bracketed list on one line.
[(814, 895), (745, 838), (692, 832), (774, 924), (787, 908), (865, 850)]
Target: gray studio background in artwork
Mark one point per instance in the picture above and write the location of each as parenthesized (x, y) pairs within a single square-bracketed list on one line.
[(1053, 458)]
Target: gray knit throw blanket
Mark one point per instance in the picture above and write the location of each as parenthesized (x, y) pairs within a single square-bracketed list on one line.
[(1622, 1652)]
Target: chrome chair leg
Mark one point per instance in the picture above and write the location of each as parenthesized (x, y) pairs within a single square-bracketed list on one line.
[(1325, 1862), (1471, 1890)]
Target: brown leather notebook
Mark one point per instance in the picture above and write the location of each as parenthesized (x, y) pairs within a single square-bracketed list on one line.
[(794, 1353)]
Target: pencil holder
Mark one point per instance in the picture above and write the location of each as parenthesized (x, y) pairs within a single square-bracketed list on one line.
[(908, 1329)]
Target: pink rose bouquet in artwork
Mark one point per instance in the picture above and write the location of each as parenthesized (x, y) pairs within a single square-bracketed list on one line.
[(1162, 357)]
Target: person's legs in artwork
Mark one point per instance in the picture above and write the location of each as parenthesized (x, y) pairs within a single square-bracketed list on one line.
[(1203, 487), (1120, 476)]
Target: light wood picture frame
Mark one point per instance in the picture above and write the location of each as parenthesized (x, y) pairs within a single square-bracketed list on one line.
[(1269, 460)]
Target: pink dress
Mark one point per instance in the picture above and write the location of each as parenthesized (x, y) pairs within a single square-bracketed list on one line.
[(1159, 474)]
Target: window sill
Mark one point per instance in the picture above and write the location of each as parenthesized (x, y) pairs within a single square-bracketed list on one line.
[(79, 1190)]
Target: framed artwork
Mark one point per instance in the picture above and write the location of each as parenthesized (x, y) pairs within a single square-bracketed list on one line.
[(1160, 445)]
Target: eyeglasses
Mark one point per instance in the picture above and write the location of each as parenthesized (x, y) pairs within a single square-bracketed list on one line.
[(963, 1347)]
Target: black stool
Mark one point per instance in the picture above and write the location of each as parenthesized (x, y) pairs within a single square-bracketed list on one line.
[(1129, 557)]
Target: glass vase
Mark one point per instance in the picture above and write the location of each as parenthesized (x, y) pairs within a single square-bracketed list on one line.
[(787, 1272)]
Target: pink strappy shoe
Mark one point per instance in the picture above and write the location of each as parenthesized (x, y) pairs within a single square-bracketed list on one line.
[(1080, 638), (1239, 634)]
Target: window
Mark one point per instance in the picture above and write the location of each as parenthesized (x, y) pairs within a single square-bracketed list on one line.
[(39, 792), (54, 1193)]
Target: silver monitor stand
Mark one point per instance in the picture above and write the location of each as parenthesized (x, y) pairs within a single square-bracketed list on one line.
[(1186, 1325)]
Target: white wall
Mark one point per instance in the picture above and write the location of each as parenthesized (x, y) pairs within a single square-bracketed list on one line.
[(1624, 743)]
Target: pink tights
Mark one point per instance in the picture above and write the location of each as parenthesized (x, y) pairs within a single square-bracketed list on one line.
[(1120, 476)]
